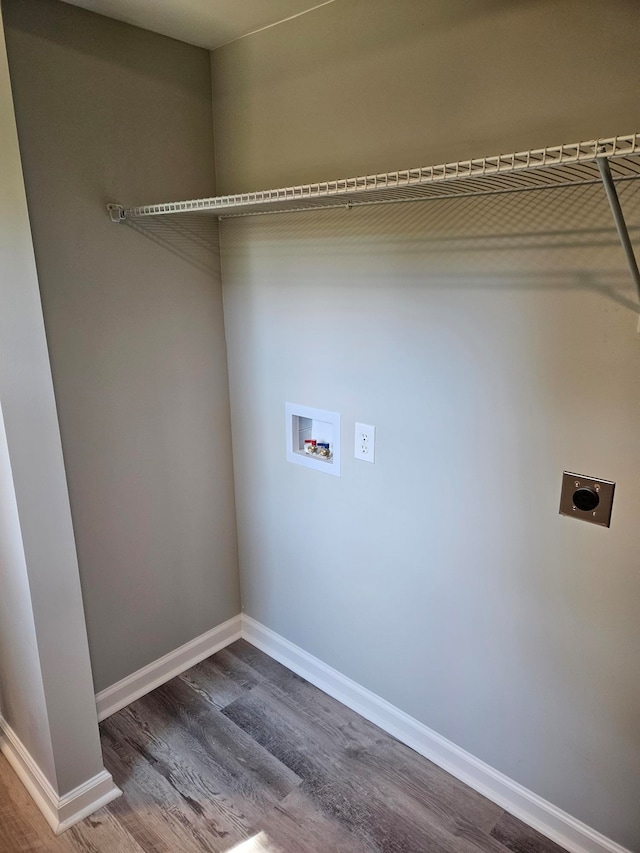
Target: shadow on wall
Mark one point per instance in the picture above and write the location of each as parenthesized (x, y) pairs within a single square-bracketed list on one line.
[(552, 239), (191, 237)]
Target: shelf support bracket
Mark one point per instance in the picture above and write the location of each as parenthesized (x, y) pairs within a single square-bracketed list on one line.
[(618, 218), (116, 212)]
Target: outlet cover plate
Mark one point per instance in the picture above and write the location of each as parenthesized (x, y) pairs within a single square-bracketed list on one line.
[(587, 498), (365, 442)]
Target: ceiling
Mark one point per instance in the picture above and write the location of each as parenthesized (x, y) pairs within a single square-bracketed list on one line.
[(206, 23)]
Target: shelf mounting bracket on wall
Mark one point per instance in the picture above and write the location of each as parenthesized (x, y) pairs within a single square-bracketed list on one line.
[(618, 218), (116, 212)]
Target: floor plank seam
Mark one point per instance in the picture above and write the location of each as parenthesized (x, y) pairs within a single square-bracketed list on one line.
[(239, 747)]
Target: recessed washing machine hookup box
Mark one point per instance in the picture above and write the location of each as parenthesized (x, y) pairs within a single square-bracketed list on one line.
[(313, 438)]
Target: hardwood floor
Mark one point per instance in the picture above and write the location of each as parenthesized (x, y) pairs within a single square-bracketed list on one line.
[(240, 754)]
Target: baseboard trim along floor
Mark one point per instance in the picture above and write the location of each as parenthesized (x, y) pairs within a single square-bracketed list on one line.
[(139, 683), (61, 813), (538, 813)]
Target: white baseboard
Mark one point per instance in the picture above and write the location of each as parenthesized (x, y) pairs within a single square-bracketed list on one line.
[(145, 680), (538, 813), (61, 813)]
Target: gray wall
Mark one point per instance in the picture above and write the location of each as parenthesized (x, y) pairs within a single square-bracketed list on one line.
[(107, 112), (22, 703), (45, 675), (367, 86), (492, 343)]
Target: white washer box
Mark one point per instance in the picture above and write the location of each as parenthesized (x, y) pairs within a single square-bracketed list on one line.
[(305, 422)]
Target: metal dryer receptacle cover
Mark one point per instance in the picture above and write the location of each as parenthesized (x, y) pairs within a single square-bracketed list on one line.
[(587, 498)]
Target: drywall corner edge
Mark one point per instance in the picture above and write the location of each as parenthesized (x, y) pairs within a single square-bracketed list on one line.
[(533, 810), (61, 813)]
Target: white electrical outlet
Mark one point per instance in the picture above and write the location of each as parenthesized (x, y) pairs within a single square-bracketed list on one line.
[(365, 442)]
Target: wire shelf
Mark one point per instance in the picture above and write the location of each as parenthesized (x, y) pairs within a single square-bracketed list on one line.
[(553, 167)]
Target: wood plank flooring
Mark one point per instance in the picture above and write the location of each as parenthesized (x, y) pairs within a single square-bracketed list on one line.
[(240, 754)]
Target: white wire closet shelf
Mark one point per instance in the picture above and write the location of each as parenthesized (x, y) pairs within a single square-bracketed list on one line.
[(557, 166), (608, 161)]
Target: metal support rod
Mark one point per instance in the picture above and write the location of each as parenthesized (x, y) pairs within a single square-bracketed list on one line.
[(618, 218)]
